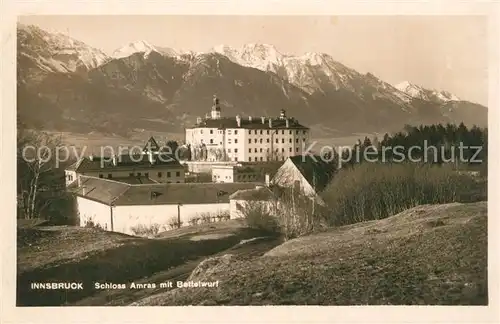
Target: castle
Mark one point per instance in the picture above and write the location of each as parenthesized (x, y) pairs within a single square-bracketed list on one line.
[(249, 139)]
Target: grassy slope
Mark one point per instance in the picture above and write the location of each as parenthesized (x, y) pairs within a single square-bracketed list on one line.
[(62, 254), (432, 254)]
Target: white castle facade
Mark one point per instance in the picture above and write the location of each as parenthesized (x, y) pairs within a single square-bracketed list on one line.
[(249, 139)]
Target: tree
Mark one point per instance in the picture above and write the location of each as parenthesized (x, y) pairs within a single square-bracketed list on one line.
[(40, 183), (172, 145)]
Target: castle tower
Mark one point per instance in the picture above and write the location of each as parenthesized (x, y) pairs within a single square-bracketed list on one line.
[(282, 114), (216, 108)]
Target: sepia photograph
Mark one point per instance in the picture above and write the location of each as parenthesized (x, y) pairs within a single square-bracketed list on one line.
[(252, 160)]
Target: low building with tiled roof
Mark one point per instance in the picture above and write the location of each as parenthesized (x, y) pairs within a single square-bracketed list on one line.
[(309, 174), (153, 165), (246, 139), (123, 207)]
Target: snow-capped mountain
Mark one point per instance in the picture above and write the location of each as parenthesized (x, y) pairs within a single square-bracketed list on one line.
[(57, 52), (307, 71), (147, 86), (146, 48), (416, 91)]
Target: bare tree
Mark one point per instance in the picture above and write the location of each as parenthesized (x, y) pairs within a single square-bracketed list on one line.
[(38, 183)]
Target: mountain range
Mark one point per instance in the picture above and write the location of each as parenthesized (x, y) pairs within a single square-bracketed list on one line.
[(64, 84)]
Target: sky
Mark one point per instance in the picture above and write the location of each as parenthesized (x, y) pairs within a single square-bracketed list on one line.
[(438, 52)]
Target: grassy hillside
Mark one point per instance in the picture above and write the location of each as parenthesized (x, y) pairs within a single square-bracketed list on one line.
[(72, 254), (430, 254)]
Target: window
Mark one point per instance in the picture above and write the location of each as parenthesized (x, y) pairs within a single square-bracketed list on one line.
[(211, 131), (178, 174), (235, 132), (159, 174), (255, 140), (228, 141), (267, 150), (249, 159), (282, 140), (296, 140), (267, 140), (177, 182), (249, 131), (290, 132), (255, 150), (261, 141), (211, 141), (283, 150), (297, 132), (235, 150), (110, 176), (168, 174), (283, 132), (261, 158), (228, 150), (277, 141), (290, 149), (228, 132), (100, 175), (267, 132), (249, 150), (304, 139), (290, 140), (138, 174), (249, 141), (296, 149), (146, 174), (235, 141), (201, 131), (304, 132), (261, 150), (261, 132)]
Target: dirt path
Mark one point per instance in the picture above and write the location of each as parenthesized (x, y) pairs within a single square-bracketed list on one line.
[(120, 297)]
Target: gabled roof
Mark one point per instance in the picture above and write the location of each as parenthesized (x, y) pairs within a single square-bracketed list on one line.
[(314, 169), (124, 161), (135, 180), (255, 123), (102, 190), (122, 194), (151, 145), (75, 166), (256, 194), (181, 193)]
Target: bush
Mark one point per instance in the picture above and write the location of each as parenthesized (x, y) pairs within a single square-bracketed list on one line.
[(373, 191), (298, 215), (89, 223), (258, 216), (174, 222), (143, 230), (194, 220)]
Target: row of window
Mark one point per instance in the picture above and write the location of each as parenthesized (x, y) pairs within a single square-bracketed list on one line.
[(146, 174), (256, 131), (261, 141), (277, 140), (256, 159)]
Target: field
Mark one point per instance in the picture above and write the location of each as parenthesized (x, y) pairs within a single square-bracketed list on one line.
[(430, 254), (89, 256), (92, 143)]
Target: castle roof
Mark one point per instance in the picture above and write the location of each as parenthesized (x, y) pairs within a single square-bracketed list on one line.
[(253, 123)]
